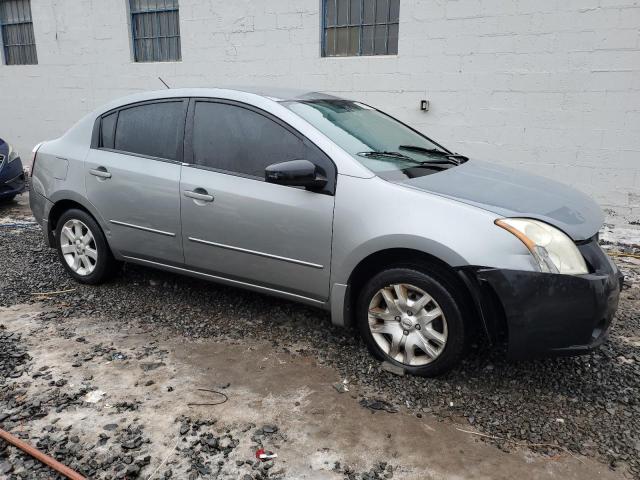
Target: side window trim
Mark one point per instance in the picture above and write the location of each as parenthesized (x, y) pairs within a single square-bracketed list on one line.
[(96, 137), (115, 127), (188, 158), (141, 155)]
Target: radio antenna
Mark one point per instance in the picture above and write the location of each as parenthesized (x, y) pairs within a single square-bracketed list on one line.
[(165, 83)]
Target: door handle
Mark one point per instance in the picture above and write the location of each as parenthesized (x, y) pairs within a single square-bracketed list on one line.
[(204, 197), (100, 172)]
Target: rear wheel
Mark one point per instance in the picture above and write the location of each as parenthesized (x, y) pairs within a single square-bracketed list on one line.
[(411, 319), (82, 248)]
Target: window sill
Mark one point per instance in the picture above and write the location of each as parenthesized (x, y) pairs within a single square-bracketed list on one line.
[(157, 61), (358, 56)]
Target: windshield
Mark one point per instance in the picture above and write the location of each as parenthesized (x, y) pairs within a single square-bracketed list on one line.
[(382, 144)]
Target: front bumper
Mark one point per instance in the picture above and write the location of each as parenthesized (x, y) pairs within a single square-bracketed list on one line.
[(550, 314), (12, 179)]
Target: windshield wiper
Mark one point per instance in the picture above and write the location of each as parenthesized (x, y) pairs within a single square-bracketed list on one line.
[(418, 163), (417, 148), (388, 154), (435, 151)]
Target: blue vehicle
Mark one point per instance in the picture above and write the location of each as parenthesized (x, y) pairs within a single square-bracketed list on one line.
[(12, 179)]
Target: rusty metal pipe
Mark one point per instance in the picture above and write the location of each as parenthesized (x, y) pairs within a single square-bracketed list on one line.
[(38, 455)]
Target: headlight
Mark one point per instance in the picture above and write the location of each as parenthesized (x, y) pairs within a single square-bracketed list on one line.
[(12, 155), (554, 251)]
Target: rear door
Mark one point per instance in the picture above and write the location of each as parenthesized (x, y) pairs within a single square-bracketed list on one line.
[(133, 177), (236, 225)]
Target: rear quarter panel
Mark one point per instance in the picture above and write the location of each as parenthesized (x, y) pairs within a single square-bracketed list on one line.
[(60, 163), (58, 173)]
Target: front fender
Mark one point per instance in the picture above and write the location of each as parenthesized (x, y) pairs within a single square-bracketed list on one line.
[(396, 241), (340, 291), (373, 215)]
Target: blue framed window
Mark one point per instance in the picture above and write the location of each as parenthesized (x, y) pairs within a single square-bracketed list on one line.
[(18, 41), (155, 30), (360, 27)]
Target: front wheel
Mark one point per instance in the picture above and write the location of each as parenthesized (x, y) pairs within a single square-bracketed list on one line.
[(82, 248), (412, 320)]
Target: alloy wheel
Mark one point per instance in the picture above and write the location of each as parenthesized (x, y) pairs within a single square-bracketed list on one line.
[(407, 324), (78, 247)]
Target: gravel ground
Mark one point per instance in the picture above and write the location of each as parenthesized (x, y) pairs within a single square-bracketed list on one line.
[(589, 405), (50, 380)]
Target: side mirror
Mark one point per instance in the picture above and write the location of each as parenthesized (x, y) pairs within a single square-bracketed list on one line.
[(295, 173)]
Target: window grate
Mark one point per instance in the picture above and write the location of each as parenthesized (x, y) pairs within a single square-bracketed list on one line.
[(17, 32), (155, 28), (360, 27)]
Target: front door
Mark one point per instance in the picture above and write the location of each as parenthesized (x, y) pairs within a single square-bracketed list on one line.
[(236, 225), (133, 177)]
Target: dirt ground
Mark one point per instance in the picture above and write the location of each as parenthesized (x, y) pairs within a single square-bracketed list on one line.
[(115, 397)]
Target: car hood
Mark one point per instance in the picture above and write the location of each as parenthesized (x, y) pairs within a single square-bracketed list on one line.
[(512, 193)]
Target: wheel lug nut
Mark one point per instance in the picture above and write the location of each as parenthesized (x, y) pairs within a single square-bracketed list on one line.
[(418, 326), (398, 319), (406, 332), (410, 313)]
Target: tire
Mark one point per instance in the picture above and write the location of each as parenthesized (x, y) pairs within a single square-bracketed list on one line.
[(426, 342), (81, 236)]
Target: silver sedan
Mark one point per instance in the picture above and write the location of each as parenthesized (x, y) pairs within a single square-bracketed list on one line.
[(332, 203)]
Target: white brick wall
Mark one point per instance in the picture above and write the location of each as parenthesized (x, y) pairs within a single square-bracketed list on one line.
[(551, 86)]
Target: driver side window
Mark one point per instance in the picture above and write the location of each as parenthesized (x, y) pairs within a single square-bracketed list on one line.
[(238, 140)]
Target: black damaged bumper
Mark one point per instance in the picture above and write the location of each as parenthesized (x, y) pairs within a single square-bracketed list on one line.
[(550, 314)]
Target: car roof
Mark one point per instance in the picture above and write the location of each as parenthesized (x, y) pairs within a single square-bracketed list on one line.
[(276, 94), (281, 94)]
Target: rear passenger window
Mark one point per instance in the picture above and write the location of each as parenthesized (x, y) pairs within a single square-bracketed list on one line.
[(152, 129), (108, 130), (239, 140)]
